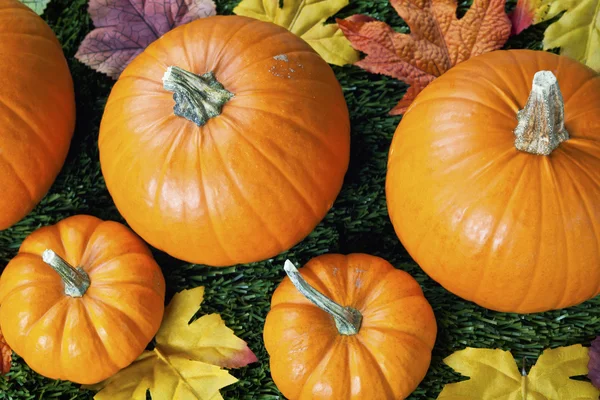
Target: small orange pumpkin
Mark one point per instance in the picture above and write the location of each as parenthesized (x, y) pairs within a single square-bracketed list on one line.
[(222, 132), (348, 328), (81, 324), (493, 183), (37, 110)]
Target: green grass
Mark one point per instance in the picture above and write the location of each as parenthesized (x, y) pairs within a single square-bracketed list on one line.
[(358, 222)]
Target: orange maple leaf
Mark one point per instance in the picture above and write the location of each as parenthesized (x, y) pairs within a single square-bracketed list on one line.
[(437, 42), (6, 354)]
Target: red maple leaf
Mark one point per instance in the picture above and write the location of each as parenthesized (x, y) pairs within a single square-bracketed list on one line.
[(437, 42)]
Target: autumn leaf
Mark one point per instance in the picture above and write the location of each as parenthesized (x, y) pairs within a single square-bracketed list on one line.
[(594, 363), (6, 354), (531, 12), (494, 375), (186, 362), (577, 32), (306, 18), (437, 42), (38, 6), (124, 28)]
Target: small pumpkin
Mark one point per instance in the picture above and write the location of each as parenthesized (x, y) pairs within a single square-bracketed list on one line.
[(81, 300), (37, 110), (493, 181), (222, 132), (348, 328)]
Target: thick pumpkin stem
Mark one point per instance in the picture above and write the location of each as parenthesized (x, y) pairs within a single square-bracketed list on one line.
[(541, 124), (347, 319), (198, 98), (76, 280)]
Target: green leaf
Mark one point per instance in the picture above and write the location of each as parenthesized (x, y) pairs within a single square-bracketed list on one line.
[(38, 6)]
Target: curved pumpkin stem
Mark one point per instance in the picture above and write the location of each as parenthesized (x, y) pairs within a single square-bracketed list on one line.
[(198, 98), (347, 319), (76, 280), (541, 123)]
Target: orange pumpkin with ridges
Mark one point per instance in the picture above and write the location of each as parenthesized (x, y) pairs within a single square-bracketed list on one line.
[(37, 110), (230, 134), (81, 300), (493, 181), (348, 328)]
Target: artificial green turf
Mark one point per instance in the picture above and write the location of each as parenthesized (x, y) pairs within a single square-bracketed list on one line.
[(358, 222)]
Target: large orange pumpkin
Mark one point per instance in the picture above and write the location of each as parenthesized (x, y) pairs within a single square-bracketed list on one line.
[(247, 156), (81, 324), (493, 188), (37, 110), (348, 328)]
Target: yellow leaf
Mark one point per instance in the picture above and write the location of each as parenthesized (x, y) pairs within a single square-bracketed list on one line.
[(577, 32), (494, 375), (306, 18), (186, 362)]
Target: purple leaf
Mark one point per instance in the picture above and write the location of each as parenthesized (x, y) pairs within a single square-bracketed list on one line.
[(124, 28), (594, 363)]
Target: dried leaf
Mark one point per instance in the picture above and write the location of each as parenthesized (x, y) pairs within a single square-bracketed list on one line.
[(186, 362), (494, 375), (531, 12), (594, 363), (124, 28), (437, 42), (577, 32), (306, 18), (38, 6), (6, 354)]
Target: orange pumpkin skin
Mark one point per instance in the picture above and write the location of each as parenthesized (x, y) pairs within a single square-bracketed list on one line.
[(386, 359), (37, 110), (508, 230), (254, 180), (89, 338)]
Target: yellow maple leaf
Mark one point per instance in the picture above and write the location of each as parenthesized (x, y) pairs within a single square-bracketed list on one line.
[(577, 32), (186, 362), (306, 18), (494, 375)]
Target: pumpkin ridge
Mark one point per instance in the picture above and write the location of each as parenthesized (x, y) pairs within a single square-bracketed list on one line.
[(90, 322), (20, 180), (450, 202), (561, 209), (108, 284), (133, 326), (202, 188), (218, 57), (239, 76), (575, 94), (463, 99), (370, 309), (387, 388), (32, 132), (507, 98), (497, 220), (303, 128), (275, 167), (59, 305), (236, 187), (398, 332), (583, 200), (332, 348), (536, 265), (92, 269)]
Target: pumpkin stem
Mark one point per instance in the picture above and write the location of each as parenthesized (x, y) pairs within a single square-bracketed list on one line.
[(347, 319), (76, 280), (198, 98), (541, 123)]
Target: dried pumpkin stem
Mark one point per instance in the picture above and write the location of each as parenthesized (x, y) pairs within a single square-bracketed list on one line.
[(198, 98), (76, 280), (347, 319), (541, 123)]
